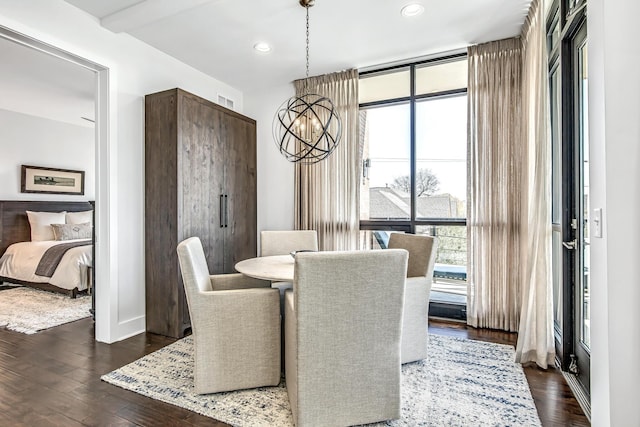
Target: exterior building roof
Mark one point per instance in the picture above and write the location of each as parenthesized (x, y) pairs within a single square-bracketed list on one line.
[(390, 203)]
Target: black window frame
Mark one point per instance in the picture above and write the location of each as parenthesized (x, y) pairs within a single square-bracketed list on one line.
[(409, 226), (439, 309)]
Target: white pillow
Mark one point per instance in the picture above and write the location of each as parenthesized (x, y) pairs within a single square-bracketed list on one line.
[(40, 223), (80, 217)]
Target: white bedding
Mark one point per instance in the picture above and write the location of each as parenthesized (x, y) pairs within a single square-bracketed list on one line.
[(21, 260)]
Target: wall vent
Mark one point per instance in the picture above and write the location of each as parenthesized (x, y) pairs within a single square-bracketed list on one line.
[(225, 102)]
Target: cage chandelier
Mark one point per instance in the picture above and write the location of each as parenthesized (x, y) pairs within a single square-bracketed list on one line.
[(307, 128)]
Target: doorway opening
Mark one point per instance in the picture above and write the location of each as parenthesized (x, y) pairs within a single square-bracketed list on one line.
[(101, 165)]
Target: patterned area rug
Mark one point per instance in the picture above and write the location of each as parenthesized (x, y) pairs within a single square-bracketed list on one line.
[(30, 310), (462, 383)]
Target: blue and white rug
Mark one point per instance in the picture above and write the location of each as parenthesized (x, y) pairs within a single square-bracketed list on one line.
[(462, 383)]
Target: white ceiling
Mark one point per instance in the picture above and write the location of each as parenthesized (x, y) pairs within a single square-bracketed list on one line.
[(217, 36), (38, 84)]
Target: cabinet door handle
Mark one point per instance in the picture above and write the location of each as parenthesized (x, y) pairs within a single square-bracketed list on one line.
[(221, 211), (226, 211)]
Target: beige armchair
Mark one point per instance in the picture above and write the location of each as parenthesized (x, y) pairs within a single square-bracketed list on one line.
[(422, 255), (283, 243), (286, 241), (343, 329), (235, 322)]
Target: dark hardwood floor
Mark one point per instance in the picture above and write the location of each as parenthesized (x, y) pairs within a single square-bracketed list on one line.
[(53, 379)]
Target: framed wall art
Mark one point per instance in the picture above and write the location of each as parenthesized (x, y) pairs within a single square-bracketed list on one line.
[(36, 179)]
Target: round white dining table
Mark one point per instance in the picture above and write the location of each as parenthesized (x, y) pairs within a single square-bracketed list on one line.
[(277, 268)]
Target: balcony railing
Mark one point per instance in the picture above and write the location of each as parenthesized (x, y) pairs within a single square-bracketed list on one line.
[(450, 272)]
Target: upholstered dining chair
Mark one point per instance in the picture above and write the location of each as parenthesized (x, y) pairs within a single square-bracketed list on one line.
[(235, 322), (342, 337), (422, 255), (283, 242)]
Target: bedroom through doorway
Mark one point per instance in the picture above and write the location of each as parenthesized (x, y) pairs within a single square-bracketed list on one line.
[(47, 120)]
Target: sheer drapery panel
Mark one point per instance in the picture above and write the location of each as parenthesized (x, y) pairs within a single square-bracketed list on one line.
[(327, 192), (509, 209), (496, 160), (535, 334)]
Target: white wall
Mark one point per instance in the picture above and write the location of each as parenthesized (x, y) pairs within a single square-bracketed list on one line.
[(35, 141), (614, 117), (275, 173), (135, 69)]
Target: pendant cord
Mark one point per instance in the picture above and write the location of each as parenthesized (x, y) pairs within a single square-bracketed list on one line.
[(306, 81)]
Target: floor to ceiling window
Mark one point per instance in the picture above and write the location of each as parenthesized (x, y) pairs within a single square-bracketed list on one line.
[(414, 171)]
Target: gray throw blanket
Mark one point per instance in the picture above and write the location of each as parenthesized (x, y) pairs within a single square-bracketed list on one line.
[(52, 256)]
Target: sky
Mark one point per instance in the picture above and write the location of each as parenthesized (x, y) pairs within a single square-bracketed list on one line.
[(441, 143)]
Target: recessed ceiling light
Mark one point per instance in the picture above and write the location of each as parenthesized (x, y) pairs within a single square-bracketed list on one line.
[(413, 9), (262, 47)]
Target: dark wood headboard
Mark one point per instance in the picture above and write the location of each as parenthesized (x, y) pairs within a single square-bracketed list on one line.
[(14, 225)]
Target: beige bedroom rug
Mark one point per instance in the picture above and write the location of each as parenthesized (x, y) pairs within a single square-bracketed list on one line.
[(30, 310)]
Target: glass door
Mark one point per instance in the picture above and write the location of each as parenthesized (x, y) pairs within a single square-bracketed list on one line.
[(571, 211), (579, 246)]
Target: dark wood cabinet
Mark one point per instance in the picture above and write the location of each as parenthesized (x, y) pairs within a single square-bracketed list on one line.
[(200, 180)]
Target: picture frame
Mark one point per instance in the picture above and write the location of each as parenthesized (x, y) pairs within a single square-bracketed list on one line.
[(37, 179)]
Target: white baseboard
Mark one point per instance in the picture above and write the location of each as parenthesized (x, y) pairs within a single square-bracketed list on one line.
[(129, 328)]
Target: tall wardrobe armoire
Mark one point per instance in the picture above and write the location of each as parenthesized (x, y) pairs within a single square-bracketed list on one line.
[(200, 180)]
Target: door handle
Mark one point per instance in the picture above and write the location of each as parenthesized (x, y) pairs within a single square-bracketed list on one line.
[(570, 245), (226, 211), (222, 210)]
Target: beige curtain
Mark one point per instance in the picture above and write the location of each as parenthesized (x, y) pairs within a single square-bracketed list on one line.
[(496, 159), (535, 335), (509, 208), (327, 192)]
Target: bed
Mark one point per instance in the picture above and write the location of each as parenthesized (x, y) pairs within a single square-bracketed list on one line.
[(61, 261)]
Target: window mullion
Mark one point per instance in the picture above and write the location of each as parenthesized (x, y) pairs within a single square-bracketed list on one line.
[(412, 150)]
